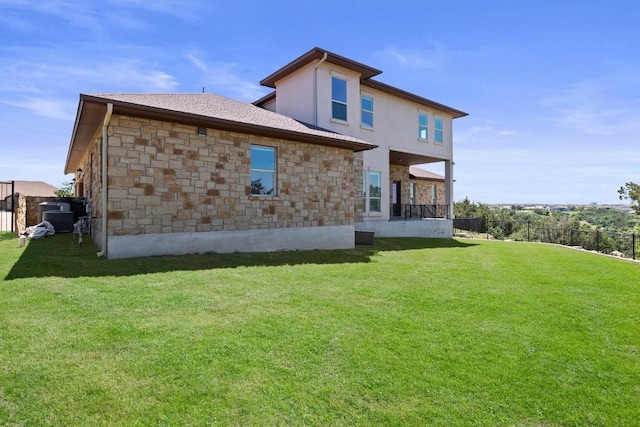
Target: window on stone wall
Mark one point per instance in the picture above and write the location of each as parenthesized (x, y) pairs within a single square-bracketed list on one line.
[(434, 194), (412, 193), (263, 170)]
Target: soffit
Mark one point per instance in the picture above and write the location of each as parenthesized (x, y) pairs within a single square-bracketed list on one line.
[(402, 158)]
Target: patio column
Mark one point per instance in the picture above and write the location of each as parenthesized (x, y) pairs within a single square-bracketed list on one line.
[(448, 187)]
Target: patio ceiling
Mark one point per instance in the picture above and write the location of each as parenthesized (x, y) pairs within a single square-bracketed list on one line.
[(408, 159)]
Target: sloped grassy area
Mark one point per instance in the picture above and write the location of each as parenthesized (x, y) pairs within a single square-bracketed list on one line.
[(407, 332)]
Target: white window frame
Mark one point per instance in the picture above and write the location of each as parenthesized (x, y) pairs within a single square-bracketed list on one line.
[(423, 127), (439, 130), (268, 171), (363, 111), (366, 184), (336, 101)]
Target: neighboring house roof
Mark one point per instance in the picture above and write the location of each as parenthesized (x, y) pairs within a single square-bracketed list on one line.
[(419, 173), (35, 189), (199, 109), (366, 73)]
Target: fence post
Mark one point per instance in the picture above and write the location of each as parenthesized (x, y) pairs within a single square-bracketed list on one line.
[(13, 206), (598, 240), (633, 245)]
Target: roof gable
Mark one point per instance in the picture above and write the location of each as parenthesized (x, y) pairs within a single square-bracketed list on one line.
[(314, 54), (366, 74)]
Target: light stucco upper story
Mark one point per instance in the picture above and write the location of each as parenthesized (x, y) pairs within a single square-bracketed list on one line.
[(309, 88)]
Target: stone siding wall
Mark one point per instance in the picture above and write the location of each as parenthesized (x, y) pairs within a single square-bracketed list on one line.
[(167, 178), (422, 194), (92, 186), (358, 168)]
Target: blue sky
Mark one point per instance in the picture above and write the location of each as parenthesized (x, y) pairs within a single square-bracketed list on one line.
[(552, 87)]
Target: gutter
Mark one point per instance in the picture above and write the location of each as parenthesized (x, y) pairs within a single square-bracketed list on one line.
[(315, 88), (105, 181)]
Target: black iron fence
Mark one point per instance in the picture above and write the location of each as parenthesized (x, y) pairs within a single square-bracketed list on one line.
[(408, 211), (7, 206), (475, 225), (623, 244)]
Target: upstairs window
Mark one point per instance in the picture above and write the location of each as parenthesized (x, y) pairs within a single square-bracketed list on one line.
[(439, 128), (366, 116), (423, 126), (338, 99), (263, 170)]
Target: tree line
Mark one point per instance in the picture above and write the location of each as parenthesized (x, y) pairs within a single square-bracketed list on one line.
[(591, 227)]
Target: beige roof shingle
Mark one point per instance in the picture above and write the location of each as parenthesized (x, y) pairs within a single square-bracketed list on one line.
[(419, 173), (201, 109), (35, 189)]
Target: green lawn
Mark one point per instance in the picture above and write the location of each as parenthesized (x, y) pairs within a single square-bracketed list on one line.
[(421, 332)]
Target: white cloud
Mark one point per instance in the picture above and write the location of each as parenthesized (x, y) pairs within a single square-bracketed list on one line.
[(50, 88), (414, 58), (604, 106), (223, 78), (68, 72), (184, 9), (87, 14), (475, 131), (52, 108)]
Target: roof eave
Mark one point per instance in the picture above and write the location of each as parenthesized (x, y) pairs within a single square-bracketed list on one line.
[(88, 119), (136, 110), (268, 97), (374, 84), (314, 54)]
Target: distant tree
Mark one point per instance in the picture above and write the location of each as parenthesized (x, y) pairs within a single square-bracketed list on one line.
[(257, 187), (631, 191), (464, 209), (66, 190)]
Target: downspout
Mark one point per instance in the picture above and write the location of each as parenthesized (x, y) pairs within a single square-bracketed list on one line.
[(315, 88), (105, 181)]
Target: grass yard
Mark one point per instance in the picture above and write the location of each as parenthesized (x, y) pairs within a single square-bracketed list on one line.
[(407, 332)]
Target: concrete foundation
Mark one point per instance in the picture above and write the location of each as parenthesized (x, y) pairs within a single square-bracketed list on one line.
[(436, 227), (266, 240)]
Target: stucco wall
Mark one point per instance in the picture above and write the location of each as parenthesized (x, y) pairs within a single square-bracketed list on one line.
[(295, 95), (166, 178)]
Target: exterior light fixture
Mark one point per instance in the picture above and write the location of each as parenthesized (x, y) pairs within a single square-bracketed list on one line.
[(79, 173)]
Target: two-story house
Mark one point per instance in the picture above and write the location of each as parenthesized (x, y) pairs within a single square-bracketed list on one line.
[(339, 94), (325, 155)]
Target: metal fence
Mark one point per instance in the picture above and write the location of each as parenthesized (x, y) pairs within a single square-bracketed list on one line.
[(475, 225), (408, 211), (7, 206), (620, 244)]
